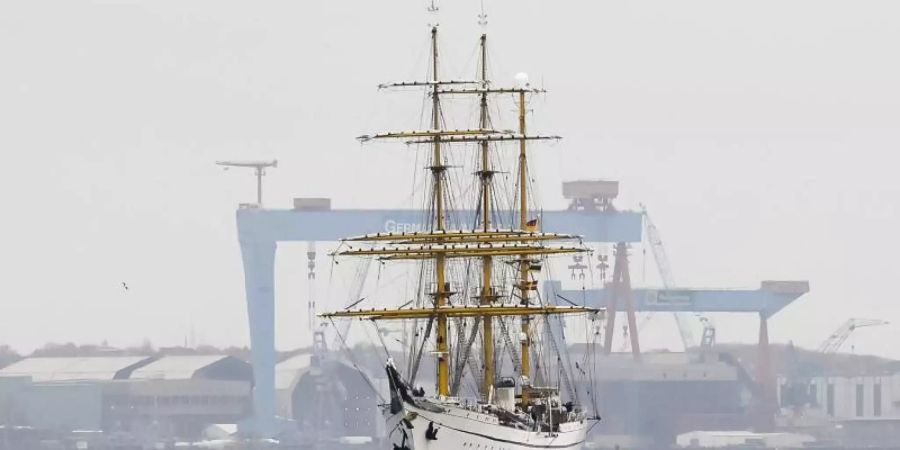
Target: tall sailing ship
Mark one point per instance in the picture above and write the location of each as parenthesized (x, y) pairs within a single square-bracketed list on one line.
[(477, 287)]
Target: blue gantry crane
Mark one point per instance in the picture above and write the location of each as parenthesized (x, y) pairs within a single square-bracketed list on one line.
[(590, 215)]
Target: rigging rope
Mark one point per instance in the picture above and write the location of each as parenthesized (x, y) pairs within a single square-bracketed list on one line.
[(418, 359), (573, 395), (378, 333), (463, 361), (354, 363), (513, 354)]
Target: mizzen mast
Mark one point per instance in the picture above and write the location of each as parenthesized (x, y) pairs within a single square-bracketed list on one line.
[(524, 266)]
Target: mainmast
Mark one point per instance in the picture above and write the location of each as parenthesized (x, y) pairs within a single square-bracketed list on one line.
[(437, 172), (486, 173)]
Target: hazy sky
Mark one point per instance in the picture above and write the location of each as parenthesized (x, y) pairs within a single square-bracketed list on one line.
[(762, 135)]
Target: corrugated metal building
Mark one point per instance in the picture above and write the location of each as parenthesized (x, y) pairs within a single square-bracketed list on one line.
[(662, 395), (328, 398), (150, 397), (211, 367), (287, 374), (95, 368), (851, 397)]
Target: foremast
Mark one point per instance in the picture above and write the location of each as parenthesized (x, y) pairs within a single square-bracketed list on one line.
[(437, 171)]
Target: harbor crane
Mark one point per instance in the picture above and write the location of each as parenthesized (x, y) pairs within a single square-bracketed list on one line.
[(834, 342), (682, 320), (260, 169)]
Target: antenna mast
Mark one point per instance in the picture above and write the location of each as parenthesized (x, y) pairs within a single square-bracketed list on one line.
[(482, 19), (260, 169)]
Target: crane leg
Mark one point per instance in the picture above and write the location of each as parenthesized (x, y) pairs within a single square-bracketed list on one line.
[(628, 295), (766, 403), (611, 307), (621, 291)]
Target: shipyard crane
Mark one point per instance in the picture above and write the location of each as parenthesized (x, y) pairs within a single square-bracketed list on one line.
[(682, 320), (260, 169), (834, 342)]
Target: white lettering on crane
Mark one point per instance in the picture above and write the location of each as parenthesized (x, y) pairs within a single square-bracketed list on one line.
[(392, 226)]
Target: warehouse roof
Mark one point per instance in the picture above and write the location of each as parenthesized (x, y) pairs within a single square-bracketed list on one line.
[(287, 372), (182, 367), (75, 368)]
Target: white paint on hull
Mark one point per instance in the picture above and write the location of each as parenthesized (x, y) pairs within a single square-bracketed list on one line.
[(462, 429)]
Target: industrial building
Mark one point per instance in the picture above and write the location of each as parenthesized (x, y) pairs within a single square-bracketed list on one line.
[(287, 374), (146, 397), (322, 397), (665, 394), (327, 400), (847, 398), (853, 401)]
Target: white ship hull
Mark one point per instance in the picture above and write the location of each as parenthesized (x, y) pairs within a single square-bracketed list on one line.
[(459, 428)]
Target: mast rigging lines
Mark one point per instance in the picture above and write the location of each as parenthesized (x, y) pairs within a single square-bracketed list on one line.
[(441, 244)]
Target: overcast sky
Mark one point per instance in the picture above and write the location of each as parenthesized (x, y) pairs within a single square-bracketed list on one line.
[(762, 136)]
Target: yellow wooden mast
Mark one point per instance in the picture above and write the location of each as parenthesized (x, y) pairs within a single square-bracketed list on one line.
[(524, 284), (487, 291), (441, 293), (441, 244)]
